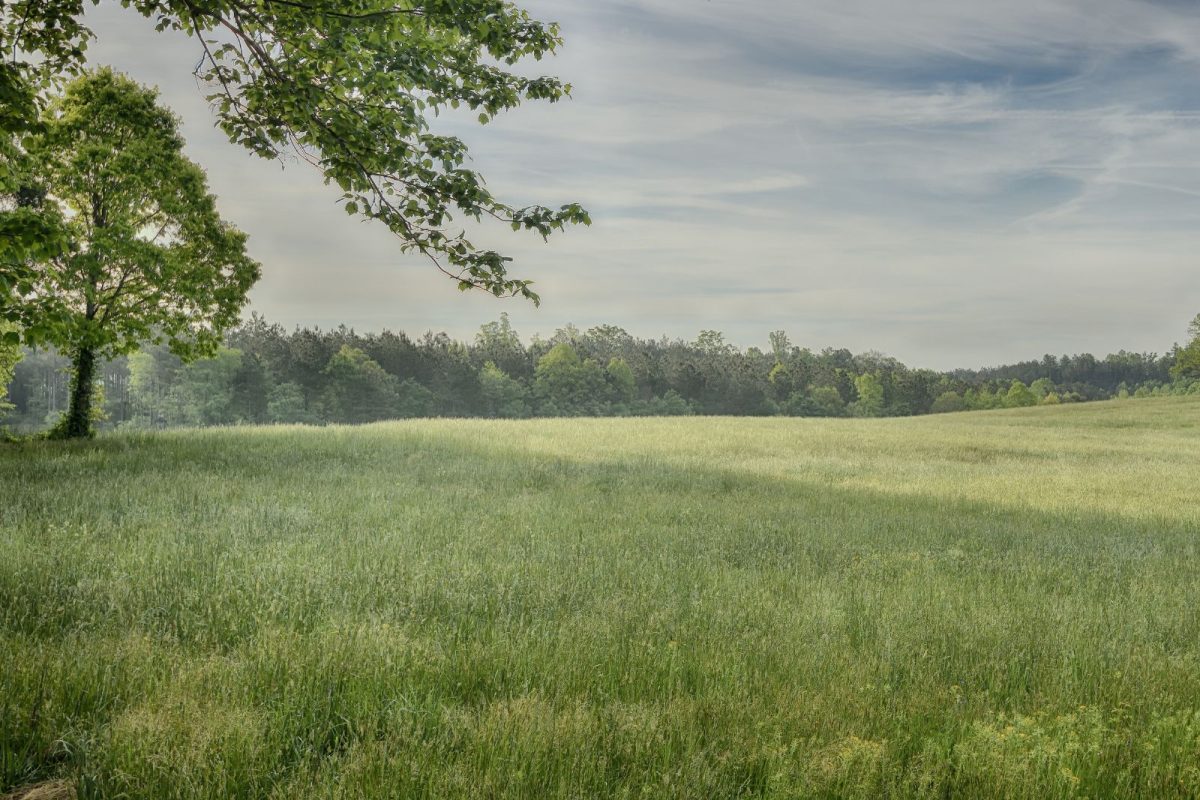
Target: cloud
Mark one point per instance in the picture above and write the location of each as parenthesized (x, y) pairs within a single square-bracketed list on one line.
[(956, 181)]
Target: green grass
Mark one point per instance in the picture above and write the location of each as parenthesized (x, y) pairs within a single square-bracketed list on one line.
[(989, 604)]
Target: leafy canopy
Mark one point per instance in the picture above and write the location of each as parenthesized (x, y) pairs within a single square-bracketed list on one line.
[(348, 85), (40, 40), (147, 256)]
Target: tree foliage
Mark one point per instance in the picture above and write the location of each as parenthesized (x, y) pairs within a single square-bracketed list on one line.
[(269, 374), (948, 402), (1019, 395), (870, 395), (1187, 359), (502, 395), (348, 86), (40, 41), (147, 258), (359, 390), (10, 354), (622, 384), (567, 385)]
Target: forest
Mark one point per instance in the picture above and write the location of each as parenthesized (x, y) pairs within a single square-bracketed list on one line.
[(264, 373)]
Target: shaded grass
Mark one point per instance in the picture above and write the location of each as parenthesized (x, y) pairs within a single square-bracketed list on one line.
[(992, 604)]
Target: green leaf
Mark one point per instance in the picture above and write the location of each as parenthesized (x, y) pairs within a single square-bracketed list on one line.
[(357, 89)]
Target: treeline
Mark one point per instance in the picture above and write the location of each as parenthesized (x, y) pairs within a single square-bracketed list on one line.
[(266, 374), (1085, 375)]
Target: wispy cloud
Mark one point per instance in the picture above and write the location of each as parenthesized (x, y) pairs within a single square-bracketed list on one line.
[(957, 181)]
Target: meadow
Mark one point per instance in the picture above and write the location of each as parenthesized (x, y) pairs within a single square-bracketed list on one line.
[(993, 604)]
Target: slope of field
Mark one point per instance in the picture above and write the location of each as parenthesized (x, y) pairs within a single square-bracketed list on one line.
[(988, 604)]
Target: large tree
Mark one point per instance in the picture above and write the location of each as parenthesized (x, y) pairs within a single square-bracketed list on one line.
[(147, 256), (349, 85)]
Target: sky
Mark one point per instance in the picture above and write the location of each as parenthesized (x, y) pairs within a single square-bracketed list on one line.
[(956, 183)]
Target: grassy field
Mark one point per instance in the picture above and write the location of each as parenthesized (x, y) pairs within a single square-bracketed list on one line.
[(999, 604)]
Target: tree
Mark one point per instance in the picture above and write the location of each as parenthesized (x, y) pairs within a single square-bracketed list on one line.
[(781, 345), (10, 354), (948, 402), (606, 342), (251, 387), (413, 400), (670, 404), (359, 390), (206, 388), (870, 395), (452, 378), (348, 85), (1041, 388), (621, 383), (285, 403), (499, 344), (567, 385), (148, 258), (981, 399), (783, 382), (1187, 359), (153, 382), (822, 401), (1019, 395), (503, 396)]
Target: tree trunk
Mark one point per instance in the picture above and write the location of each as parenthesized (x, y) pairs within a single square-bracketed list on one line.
[(78, 422)]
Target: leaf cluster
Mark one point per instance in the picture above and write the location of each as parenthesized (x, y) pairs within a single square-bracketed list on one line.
[(146, 257), (349, 86)]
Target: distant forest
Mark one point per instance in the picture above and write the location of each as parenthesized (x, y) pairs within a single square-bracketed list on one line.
[(266, 374)]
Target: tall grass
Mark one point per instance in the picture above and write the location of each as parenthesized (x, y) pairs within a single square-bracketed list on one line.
[(998, 604)]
